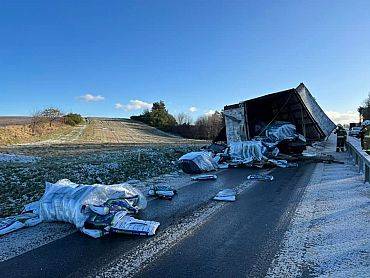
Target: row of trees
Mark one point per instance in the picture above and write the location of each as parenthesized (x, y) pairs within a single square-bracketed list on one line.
[(205, 127)]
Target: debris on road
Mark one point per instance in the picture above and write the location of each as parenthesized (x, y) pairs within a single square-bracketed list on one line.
[(95, 233), (307, 153), (95, 210), (125, 224), (260, 177), (262, 131), (320, 158), (162, 191), (203, 177), (223, 165), (13, 223), (227, 195), (246, 152), (282, 163), (197, 162)]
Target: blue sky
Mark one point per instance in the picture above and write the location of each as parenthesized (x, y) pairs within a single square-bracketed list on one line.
[(110, 58)]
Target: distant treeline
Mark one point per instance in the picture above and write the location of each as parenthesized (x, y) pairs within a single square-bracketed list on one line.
[(205, 127), (364, 109)]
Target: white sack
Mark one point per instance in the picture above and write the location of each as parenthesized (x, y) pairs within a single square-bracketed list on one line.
[(64, 200), (280, 131), (247, 151), (203, 160)]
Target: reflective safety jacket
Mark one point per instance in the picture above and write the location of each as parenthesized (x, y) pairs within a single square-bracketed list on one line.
[(341, 133)]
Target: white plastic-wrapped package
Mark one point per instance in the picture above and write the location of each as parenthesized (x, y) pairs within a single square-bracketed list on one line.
[(280, 131), (64, 200), (197, 162), (247, 151), (228, 195)]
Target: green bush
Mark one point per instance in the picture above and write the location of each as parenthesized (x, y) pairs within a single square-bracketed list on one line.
[(73, 119), (157, 117)]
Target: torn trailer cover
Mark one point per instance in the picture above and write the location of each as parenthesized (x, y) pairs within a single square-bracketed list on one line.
[(251, 118)]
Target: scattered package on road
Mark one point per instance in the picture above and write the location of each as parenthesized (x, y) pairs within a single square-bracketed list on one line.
[(260, 177), (69, 202), (197, 162), (162, 191), (95, 210), (125, 224), (204, 177), (228, 195), (282, 163), (13, 223)]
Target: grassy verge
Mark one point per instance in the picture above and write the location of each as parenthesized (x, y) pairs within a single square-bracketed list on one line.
[(18, 134)]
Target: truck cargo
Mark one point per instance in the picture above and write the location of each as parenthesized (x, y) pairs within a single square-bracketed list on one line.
[(251, 118)]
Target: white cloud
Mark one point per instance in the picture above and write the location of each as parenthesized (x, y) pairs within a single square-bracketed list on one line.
[(193, 109), (134, 105), (118, 105), (91, 98), (343, 117), (210, 112)]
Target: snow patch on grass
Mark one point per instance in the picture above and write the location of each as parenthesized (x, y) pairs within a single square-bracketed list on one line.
[(4, 157)]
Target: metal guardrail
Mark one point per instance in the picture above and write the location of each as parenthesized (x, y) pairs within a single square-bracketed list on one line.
[(360, 160)]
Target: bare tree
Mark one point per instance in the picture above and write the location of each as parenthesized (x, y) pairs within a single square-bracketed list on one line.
[(52, 114), (36, 120), (183, 118), (208, 126)]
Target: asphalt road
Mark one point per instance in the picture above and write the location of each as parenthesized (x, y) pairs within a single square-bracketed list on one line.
[(239, 240)]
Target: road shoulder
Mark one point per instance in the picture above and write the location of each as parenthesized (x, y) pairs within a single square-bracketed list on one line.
[(330, 231)]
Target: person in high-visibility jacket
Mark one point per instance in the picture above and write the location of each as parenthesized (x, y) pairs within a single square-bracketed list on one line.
[(365, 138), (341, 138)]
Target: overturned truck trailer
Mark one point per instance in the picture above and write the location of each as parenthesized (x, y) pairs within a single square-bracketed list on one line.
[(250, 118)]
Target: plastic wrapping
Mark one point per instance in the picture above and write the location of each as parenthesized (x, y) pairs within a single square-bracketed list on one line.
[(197, 162), (13, 223), (124, 224), (279, 131), (227, 195), (204, 177), (65, 201), (260, 177), (247, 151), (162, 191)]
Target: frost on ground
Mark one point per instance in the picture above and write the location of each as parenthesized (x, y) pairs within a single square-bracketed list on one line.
[(4, 157), (23, 240), (330, 232), (22, 183)]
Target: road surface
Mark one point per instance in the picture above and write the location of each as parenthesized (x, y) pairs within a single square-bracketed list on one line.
[(238, 239)]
